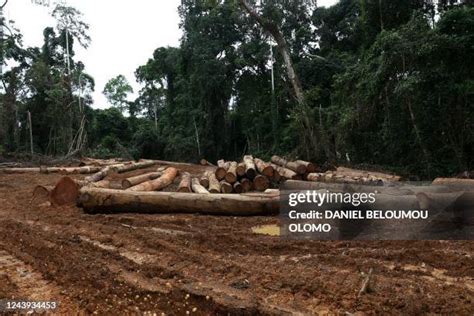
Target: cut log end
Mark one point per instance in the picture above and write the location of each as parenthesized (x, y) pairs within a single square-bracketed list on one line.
[(220, 173), (261, 183), (65, 192), (226, 187)]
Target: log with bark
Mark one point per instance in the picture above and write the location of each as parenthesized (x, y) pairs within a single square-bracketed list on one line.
[(185, 184), (231, 175), (354, 173), (299, 168), (197, 187), (42, 191), (204, 180), (100, 175), (310, 167), (276, 176), (221, 170), (238, 187), (135, 166), (454, 182), (246, 185), (240, 170), (261, 183), (132, 181), (46, 170), (157, 184), (65, 192), (214, 184), (331, 177), (286, 173), (114, 201), (226, 187), (250, 168), (41, 195), (204, 162), (264, 168)]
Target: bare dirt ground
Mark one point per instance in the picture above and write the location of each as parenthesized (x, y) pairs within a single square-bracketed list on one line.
[(205, 265)]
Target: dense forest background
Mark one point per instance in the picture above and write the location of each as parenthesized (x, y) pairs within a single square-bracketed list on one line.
[(387, 83)]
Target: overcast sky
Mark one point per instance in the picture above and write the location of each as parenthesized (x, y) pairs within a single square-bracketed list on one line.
[(124, 33)]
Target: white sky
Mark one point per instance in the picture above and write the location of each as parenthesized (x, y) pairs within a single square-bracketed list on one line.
[(124, 33)]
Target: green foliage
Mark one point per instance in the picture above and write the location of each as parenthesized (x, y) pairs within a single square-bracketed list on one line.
[(116, 91), (385, 82)]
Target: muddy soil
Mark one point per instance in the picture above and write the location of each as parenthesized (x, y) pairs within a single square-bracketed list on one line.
[(205, 265)]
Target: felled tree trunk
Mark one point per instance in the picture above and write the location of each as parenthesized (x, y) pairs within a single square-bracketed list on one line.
[(454, 181), (61, 170), (185, 184), (214, 185), (204, 180), (162, 182), (132, 181), (310, 167), (366, 174), (221, 170), (65, 192), (246, 185), (264, 168), (240, 170), (226, 187), (197, 187), (238, 188), (261, 183), (286, 173), (299, 168), (231, 175), (250, 169), (114, 201), (104, 172)]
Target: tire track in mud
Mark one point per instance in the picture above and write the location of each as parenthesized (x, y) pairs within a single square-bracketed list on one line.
[(84, 274), (220, 258), (230, 293), (30, 285), (225, 296)]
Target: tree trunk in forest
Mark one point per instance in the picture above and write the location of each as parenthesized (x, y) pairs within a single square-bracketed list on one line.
[(162, 182), (277, 35), (185, 184), (264, 168), (250, 169), (113, 201), (197, 187)]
